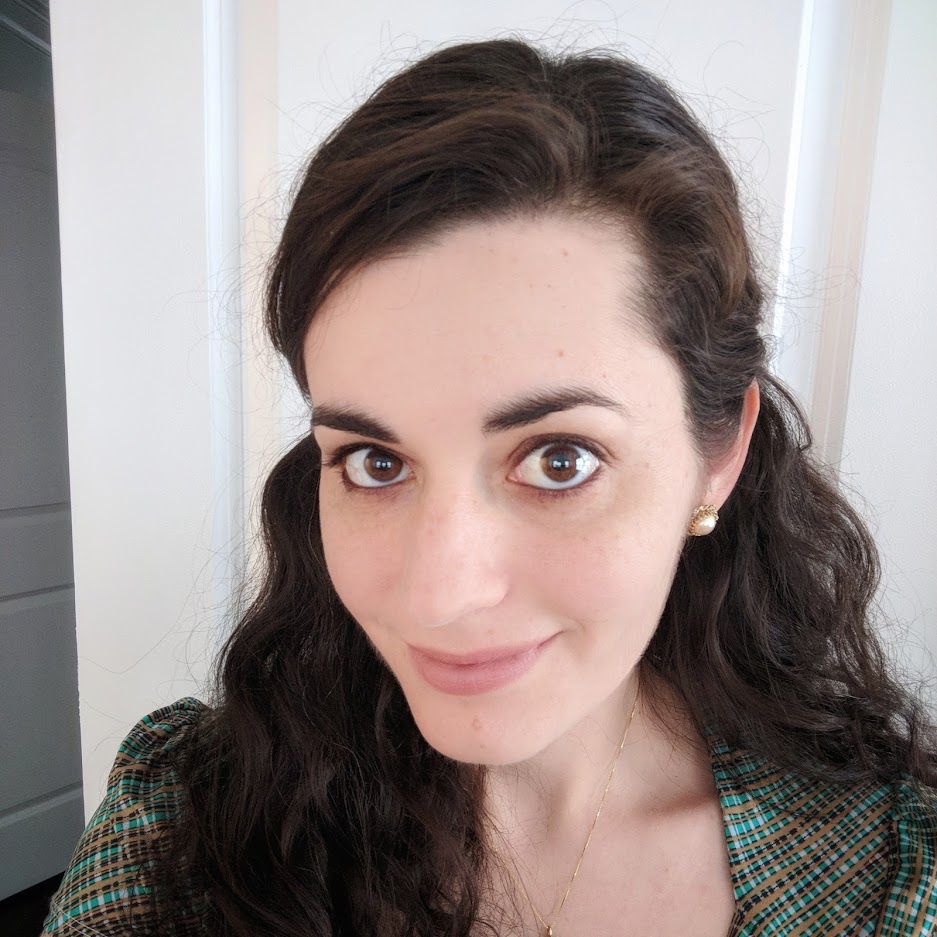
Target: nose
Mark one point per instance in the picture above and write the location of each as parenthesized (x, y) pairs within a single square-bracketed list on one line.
[(455, 561)]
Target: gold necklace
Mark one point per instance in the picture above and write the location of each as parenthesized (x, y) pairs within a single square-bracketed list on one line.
[(548, 928)]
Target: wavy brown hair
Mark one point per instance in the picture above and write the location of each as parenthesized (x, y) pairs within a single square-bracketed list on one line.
[(313, 804)]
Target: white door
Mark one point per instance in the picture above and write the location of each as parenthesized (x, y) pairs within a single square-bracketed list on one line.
[(40, 762)]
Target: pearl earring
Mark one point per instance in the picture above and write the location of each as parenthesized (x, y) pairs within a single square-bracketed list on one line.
[(703, 521)]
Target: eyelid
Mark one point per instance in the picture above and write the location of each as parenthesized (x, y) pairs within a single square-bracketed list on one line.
[(336, 460), (547, 494), (556, 441), (337, 456), (545, 439), (342, 452)]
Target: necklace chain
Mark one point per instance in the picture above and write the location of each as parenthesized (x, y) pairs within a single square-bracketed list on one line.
[(548, 928)]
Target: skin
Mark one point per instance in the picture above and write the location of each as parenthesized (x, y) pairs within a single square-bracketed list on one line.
[(469, 545)]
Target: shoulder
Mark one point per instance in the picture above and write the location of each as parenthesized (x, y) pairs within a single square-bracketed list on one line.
[(846, 858), (911, 905), (106, 883)]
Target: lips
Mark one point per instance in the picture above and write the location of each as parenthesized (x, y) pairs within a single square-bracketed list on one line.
[(477, 672)]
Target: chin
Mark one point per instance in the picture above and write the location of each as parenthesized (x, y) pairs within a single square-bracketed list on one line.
[(474, 738)]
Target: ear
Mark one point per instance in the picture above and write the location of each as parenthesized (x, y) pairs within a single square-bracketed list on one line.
[(725, 474)]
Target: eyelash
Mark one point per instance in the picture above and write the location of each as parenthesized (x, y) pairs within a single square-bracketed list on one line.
[(338, 457)]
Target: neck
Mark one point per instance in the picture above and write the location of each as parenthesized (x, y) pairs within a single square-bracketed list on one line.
[(552, 799)]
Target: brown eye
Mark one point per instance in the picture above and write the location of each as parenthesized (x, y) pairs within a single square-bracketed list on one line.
[(373, 468), (558, 465), (381, 467)]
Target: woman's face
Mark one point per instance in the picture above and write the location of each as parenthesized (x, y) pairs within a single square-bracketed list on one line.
[(507, 476)]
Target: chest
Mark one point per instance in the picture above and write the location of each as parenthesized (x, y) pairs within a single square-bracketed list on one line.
[(668, 876)]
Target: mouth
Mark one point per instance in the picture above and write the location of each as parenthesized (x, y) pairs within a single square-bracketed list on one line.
[(476, 672)]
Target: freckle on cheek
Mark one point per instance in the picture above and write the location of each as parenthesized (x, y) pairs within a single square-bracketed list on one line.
[(476, 723)]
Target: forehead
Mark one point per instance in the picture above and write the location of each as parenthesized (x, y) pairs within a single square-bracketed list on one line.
[(487, 310)]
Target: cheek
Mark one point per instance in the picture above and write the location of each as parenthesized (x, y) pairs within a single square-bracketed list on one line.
[(359, 555), (618, 567), (625, 579)]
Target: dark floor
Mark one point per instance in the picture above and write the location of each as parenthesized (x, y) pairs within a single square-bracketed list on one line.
[(22, 914)]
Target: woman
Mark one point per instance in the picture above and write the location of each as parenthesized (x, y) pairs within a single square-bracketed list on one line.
[(562, 631)]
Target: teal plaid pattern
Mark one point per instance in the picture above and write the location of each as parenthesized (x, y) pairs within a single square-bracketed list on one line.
[(105, 890), (807, 857), (812, 858)]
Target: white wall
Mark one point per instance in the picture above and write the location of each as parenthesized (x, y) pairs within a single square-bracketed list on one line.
[(166, 118), (735, 62), (890, 439), (180, 127), (131, 158)]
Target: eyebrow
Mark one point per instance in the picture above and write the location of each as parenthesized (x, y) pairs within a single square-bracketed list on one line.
[(352, 420), (521, 411)]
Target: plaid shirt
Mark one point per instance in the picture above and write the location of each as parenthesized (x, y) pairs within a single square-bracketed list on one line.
[(807, 857)]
